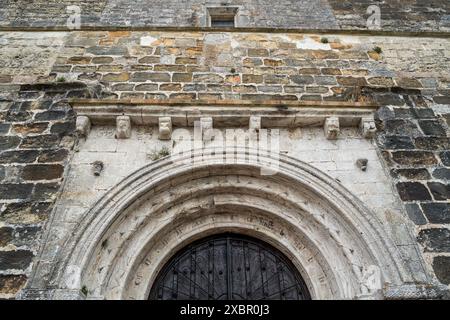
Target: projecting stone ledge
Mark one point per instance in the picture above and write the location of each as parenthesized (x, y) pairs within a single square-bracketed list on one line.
[(268, 114)]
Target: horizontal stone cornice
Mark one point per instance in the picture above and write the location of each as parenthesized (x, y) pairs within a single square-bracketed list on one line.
[(224, 113), (362, 32)]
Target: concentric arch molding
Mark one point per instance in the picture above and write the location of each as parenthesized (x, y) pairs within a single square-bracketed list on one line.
[(133, 230)]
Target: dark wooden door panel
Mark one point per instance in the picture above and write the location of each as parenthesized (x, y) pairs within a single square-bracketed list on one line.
[(229, 267)]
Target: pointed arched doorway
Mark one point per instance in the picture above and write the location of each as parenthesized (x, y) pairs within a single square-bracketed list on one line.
[(232, 267)]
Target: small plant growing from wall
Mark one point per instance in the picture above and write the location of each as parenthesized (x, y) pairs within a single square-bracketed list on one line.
[(84, 290), (324, 40), (156, 155), (375, 53), (61, 79), (378, 50)]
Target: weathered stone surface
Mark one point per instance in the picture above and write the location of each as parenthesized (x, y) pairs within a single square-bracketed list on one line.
[(171, 87), (63, 128), (43, 141), (18, 156), (408, 83), (325, 80), (18, 116), (410, 191), (259, 97), (145, 87), (422, 158), (19, 259), (381, 81), (116, 77), (389, 99), (107, 51), (15, 191), (352, 81), (442, 173), (314, 14), (42, 171), (401, 127), (132, 95), (19, 236), (182, 77), (249, 78), (439, 190), (53, 155), (125, 87), (415, 214), (445, 158), (11, 284), (208, 78), (4, 128), (46, 191), (398, 142), (432, 127), (27, 128), (442, 99), (441, 266), (6, 235), (412, 174), (432, 143), (102, 60), (155, 77), (437, 212), (149, 60), (8, 142), (302, 79), (26, 212), (435, 239), (258, 52)]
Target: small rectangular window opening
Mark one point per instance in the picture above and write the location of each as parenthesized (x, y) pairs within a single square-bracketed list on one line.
[(222, 17), (222, 22)]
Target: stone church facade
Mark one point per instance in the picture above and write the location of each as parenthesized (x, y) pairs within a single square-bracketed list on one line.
[(167, 149)]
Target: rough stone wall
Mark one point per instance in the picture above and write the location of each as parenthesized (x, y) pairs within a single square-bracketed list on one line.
[(252, 66), (415, 143), (41, 13), (410, 78), (399, 15), (404, 15), (35, 129), (36, 136)]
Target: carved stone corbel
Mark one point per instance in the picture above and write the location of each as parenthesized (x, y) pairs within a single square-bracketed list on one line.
[(165, 128), (255, 123), (331, 128), (123, 127), (368, 128), (83, 126), (206, 127)]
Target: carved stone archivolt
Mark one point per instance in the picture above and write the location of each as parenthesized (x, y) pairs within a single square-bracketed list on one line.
[(336, 243)]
